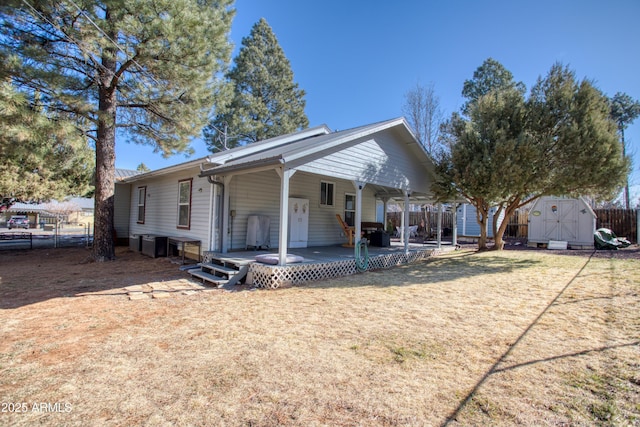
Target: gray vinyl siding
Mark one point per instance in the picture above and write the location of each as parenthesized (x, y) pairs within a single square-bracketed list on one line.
[(380, 160), (122, 201), (161, 209), (252, 194), (259, 193)]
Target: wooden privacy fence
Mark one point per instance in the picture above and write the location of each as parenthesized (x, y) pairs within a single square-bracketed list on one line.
[(426, 222), (518, 225), (623, 222)]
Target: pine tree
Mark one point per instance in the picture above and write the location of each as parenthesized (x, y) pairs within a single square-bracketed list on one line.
[(143, 67), (509, 151), (142, 168), (43, 156), (624, 110), (266, 102)]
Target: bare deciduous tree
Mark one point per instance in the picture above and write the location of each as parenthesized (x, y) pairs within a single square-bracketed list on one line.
[(423, 112)]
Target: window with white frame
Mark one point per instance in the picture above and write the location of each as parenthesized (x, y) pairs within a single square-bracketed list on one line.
[(184, 203), (142, 202), (350, 209), (327, 193)]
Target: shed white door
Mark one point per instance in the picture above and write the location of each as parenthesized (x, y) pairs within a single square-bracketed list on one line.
[(298, 222), (560, 220)]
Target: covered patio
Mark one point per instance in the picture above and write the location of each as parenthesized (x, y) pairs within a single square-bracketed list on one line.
[(326, 262)]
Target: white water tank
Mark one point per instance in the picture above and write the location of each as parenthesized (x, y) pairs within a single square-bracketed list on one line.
[(258, 231)]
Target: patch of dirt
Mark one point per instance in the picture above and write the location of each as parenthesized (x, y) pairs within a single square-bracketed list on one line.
[(69, 272), (466, 338)]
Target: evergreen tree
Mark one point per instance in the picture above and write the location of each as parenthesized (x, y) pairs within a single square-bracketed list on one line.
[(509, 151), (477, 148), (266, 102), (43, 156), (624, 110), (145, 67), (489, 76), (142, 168)]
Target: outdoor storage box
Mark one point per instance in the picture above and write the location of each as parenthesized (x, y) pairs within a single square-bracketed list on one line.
[(154, 246), (135, 242)]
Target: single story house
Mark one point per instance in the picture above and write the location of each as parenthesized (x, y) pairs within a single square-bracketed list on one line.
[(298, 182)]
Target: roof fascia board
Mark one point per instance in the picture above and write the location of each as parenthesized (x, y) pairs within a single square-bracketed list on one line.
[(267, 144), (163, 171), (255, 166)]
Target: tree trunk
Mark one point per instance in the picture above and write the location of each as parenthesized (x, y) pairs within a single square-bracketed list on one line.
[(497, 237), (482, 215), (499, 231), (627, 201), (103, 244), (103, 240)]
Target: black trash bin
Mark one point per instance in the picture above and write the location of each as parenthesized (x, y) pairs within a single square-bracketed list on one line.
[(380, 239)]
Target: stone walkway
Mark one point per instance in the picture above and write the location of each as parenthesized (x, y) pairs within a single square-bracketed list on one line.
[(165, 289)]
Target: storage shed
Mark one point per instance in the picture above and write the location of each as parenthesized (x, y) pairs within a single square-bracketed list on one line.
[(562, 219), (467, 222)]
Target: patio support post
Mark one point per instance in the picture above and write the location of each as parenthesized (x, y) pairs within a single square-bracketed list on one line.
[(439, 225), (212, 192), (402, 222), (454, 228), (385, 200), (358, 220), (226, 228), (285, 175), (405, 221)]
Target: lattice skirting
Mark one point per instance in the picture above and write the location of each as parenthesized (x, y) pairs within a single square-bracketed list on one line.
[(273, 276)]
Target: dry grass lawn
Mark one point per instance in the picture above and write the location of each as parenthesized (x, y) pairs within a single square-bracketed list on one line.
[(519, 337)]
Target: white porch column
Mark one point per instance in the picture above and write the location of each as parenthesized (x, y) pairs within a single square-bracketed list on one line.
[(385, 200), (439, 225), (225, 215), (285, 176), (212, 195), (358, 220), (464, 219), (401, 232), (454, 228), (405, 222)]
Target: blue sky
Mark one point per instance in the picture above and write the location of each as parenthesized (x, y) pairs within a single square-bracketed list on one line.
[(357, 59)]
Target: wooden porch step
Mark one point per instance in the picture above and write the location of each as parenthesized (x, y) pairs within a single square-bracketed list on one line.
[(218, 268), (212, 278)]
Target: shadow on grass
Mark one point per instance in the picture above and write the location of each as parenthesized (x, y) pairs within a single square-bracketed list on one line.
[(494, 368), (29, 277), (438, 269)]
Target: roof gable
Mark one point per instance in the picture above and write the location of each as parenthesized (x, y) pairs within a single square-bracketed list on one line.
[(301, 151)]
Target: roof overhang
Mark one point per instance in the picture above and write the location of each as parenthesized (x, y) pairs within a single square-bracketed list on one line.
[(245, 167), (163, 171)]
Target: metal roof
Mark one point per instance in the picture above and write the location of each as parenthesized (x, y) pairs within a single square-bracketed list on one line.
[(295, 149), (291, 149), (121, 174)]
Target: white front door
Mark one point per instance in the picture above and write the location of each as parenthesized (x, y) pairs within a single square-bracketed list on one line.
[(298, 222)]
